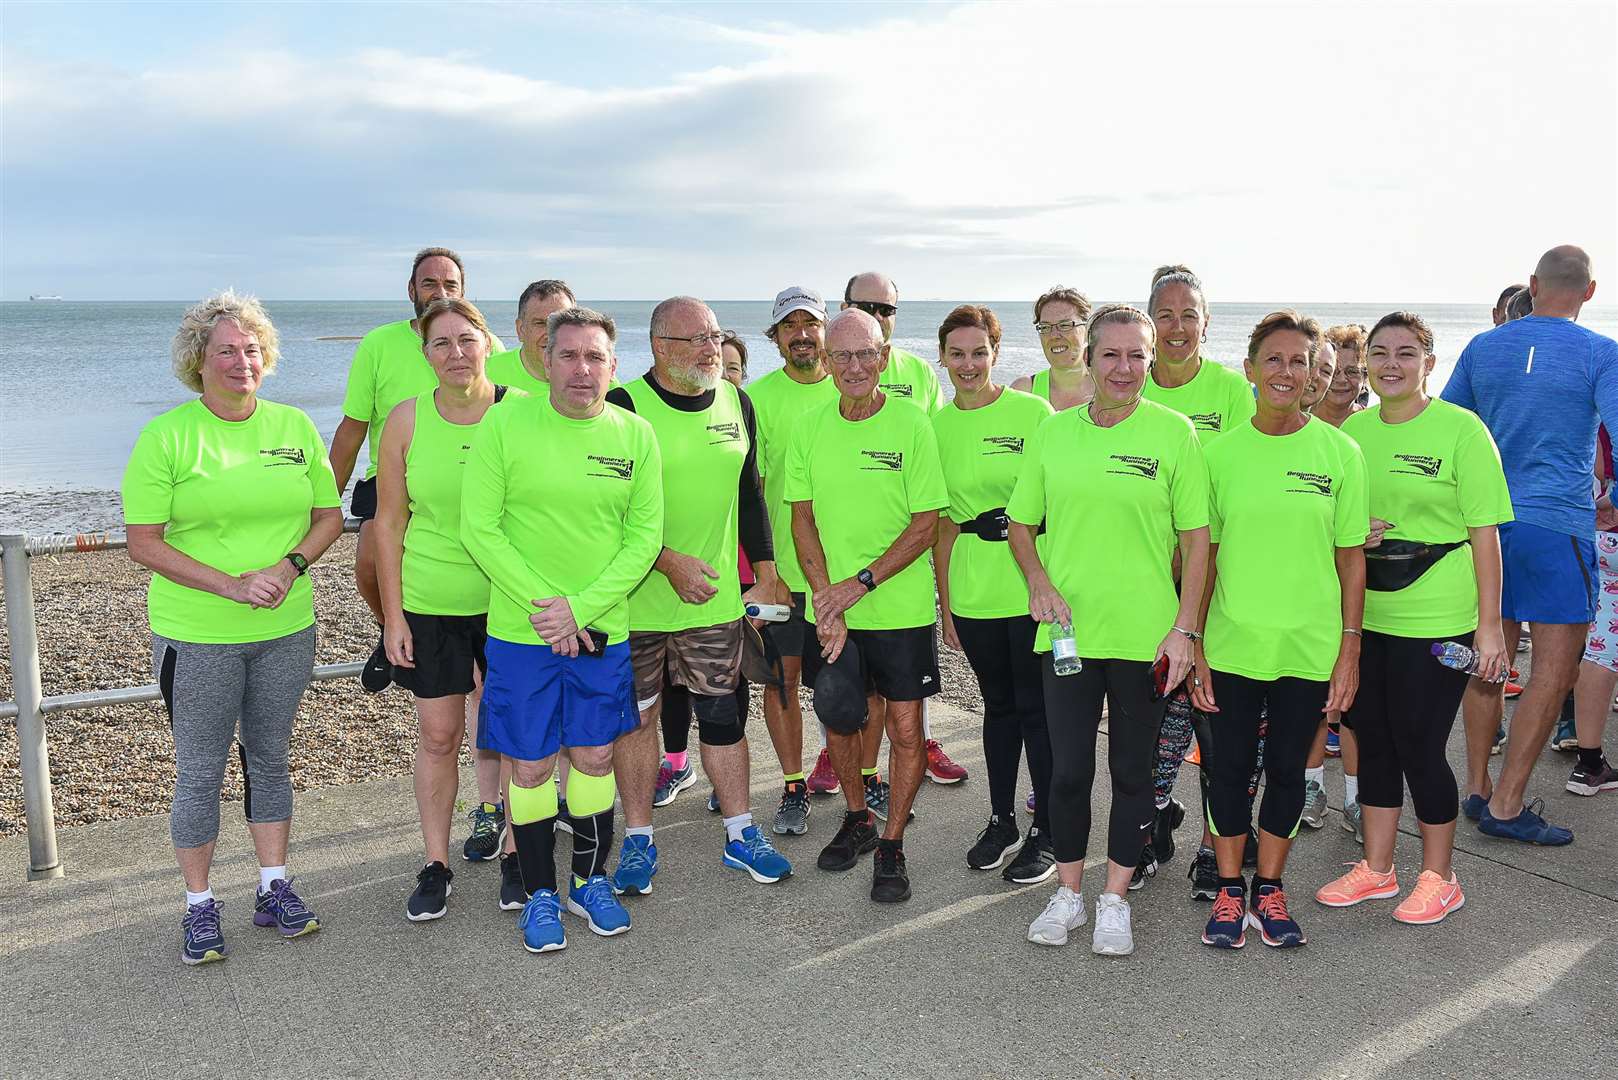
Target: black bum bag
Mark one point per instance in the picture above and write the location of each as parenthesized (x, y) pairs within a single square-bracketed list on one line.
[(993, 525), (1395, 564)]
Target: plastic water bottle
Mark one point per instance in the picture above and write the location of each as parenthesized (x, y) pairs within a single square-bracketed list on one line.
[(1452, 654), (1065, 651), (769, 612)]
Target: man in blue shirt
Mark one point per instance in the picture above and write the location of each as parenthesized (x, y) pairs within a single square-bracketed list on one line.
[(1539, 383)]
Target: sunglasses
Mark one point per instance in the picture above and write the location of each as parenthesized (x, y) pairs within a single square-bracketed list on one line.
[(871, 307)]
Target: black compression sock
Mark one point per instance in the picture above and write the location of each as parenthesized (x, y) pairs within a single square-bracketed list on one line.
[(592, 842), (1590, 760), (1258, 882), (1233, 882), (536, 854)]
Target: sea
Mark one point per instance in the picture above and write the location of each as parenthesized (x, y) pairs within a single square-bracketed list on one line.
[(78, 379)]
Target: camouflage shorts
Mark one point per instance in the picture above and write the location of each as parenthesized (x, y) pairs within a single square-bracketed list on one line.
[(706, 660)]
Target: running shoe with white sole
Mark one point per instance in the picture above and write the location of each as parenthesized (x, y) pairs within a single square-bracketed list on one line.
[(637, 864), (1034, 862), (1227, 926), (204, 941), (1431, 901), (1204, 875), (1314, 804), (1270, 917), (594, 902), (997, 840), (1167, 819), (1112, 935), (488, 832), (757, 856), (672, 781), (876, 796), (280, 907), (513, 897), (1565, 738), (940, 769), (1593, 781), (792, 817), (541, 923), (430, 899), (1354, 821), (823, 778), (1145, 868), (1360, 884), (1064, 914)]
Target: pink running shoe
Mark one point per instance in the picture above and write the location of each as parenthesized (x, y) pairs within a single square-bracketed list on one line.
[(823, 780), (1361, 883), (1431, 900), (940, 769)]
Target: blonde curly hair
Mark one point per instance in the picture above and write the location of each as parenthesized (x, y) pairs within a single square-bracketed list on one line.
[(190, 346)]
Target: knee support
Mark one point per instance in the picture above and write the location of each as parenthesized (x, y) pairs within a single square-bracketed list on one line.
[(719, 719), (527, 805), (588, 794)]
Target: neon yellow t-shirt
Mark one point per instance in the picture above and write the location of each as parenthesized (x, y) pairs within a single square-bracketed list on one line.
[(981, 453), (507, 369), (910, 377), (1433, 477), (552, 506), (780, 404), (438, 576), (1217, 399), (702, 453), (866, 479), (1279, 508), (236, 496), (389, 367), (1113, 501)]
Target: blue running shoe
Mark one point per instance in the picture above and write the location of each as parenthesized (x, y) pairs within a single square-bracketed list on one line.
[(1473, 806), (1270, 917), (1565, 737), (204, 941), (281, 908), (1527, 827), (672, 781), (755, 854), (713, 802), (637, 862), (1227, 926), (594, 902), (541, 922)]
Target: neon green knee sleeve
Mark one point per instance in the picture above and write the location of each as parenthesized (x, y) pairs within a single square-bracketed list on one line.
[(526, 805), (588, 794)]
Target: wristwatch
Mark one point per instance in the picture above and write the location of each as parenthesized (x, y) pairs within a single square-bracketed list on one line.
[(864, 578), (299, 563)]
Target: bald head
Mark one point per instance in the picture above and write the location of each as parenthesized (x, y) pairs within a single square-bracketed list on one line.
[(876, 294), (1562, 282), (851, 330), (676, 309)]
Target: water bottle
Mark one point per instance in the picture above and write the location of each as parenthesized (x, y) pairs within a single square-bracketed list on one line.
[(1065, 651), (1452, 654), (769, 612)]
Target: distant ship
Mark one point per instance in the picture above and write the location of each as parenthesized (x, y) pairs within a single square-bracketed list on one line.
[(31, 297)]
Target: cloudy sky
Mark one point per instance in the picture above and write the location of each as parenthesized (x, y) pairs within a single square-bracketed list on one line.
[(1311, 152)]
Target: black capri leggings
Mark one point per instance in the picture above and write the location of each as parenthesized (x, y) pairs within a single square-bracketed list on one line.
[(1294, 708), (1402, 718), (1073, 714), (1001, 652)]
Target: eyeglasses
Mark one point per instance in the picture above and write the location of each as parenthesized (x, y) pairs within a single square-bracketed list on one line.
[(1066, 326), (864, 356), (871, 307), (697, 341), (1353, 372)]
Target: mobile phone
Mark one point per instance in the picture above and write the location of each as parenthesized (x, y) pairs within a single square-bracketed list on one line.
[(1160, 678), (598, 643)]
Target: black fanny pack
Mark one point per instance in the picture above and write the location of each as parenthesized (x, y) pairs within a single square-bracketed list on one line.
[(1396, 564), (993, 525)]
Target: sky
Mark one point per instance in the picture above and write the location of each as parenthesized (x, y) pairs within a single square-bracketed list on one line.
[(1302, 151)]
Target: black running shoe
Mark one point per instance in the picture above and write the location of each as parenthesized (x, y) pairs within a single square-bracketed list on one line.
[(855, 836), (1145, 868), (1035, 862), (488, 833), (997, 840), (1168, 819), (432, 889), (513, 897), (1250, 850), (1204, 875), (377, 674), (889, 882)]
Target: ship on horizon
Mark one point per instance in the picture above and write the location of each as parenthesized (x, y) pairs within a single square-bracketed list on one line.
[(33, 296)]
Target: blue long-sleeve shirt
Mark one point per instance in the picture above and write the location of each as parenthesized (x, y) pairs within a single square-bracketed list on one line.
[(1540, 385)]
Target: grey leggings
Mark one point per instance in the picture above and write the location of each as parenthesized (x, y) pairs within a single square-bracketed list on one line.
[(210, 691)]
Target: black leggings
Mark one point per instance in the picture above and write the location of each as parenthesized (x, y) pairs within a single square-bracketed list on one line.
[(1402, 717), (1294, 708), (1001, 652), (1073, 709)]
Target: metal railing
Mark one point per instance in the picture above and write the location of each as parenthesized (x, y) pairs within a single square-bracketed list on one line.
[(30, 707)]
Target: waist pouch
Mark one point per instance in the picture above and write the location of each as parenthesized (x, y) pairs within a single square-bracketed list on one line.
[(1396, 564), (993, 525)]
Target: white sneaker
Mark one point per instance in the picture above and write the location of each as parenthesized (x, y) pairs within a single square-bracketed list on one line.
[(1063, 913), (1113, 936)]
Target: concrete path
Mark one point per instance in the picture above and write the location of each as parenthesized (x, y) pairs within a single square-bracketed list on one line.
[(725, 978)]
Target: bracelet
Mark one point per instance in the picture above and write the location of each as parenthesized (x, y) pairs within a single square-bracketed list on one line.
[(1191, 635), (1355, 631)]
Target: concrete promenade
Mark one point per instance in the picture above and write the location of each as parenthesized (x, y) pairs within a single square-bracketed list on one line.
[(721, 977)]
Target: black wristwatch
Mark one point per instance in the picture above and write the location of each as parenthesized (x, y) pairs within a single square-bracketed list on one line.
[(299, 563), (864, 578)]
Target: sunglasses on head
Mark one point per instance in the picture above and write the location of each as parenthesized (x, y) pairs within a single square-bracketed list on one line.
[(871, 307)]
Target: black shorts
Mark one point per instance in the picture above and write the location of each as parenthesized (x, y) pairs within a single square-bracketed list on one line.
[(901, 665), (789, 636), (362, 504), (446, 648)]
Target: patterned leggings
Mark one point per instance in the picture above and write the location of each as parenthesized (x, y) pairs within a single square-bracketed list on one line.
[(1180, 721)]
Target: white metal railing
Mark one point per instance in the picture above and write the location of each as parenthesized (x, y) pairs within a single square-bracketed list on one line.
[(29, 706)]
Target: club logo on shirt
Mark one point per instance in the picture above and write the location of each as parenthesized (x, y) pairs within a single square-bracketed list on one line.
[(284, 455), (1416, 465), (616, 467), (729, 431), (898, 389), (1003, 444), (883, 460), (1313, 483), (1208, 421), (1133, 465)]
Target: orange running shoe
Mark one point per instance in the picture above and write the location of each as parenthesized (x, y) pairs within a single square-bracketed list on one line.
[(1361, 883), (1431, 900)]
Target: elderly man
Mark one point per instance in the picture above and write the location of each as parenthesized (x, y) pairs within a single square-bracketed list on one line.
[(524, 366), (1539, 383), (685, 619), (865, 484), (562, 507)]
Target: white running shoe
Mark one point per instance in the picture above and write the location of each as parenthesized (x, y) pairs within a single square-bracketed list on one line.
[(1063, 913), (1113, 936)]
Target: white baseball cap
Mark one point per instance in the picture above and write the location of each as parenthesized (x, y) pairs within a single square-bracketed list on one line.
[(797, 298)]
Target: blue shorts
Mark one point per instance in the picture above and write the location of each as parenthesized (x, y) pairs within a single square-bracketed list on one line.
[(1548, 576), (535, 702)]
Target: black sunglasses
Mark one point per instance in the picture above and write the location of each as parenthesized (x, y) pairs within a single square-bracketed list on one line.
[(871, 307)]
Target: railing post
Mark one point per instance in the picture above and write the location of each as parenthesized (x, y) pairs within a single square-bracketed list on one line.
[(23, 635)]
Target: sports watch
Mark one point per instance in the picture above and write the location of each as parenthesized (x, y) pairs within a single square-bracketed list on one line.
[(865, 578), (299, 563)]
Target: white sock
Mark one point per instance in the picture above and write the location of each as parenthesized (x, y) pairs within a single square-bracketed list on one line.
[(823, 736), (1317, 774), (1351, 788), (268, 875), (192, 899), (735, 825), (639, 830), (926, 728)]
